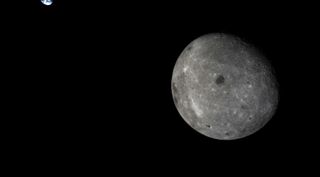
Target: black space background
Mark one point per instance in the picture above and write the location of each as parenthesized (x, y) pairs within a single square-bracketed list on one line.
[(90, 83)]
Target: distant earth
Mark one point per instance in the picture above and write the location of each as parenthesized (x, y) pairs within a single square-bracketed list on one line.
[(47, 2), (223, 87)]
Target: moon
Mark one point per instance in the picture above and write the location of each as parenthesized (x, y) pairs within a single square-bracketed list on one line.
[(223, 87), (47, 2)]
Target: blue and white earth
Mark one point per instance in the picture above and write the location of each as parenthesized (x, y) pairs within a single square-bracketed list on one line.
[(47, 2)]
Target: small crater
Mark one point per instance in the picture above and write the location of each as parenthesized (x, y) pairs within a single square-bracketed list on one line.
[(228, 134), (250, 118), (208, 126), (189, 48), (244, 107), (220, 80)]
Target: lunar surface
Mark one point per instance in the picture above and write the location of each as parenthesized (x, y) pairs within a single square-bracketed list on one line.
[(223, 87), (47, 2)]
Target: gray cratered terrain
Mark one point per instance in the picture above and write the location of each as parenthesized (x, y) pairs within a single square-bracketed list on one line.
[(223, 87)]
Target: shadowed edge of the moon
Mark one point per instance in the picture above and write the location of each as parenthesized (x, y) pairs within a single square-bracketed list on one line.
[(234, 132)]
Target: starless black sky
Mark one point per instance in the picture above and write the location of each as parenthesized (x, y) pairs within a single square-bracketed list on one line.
[(99, 73)]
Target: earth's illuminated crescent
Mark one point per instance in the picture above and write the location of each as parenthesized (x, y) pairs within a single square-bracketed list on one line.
[(47, 2)]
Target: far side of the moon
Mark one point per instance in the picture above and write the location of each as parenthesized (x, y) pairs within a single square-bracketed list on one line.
[(223, 87)]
